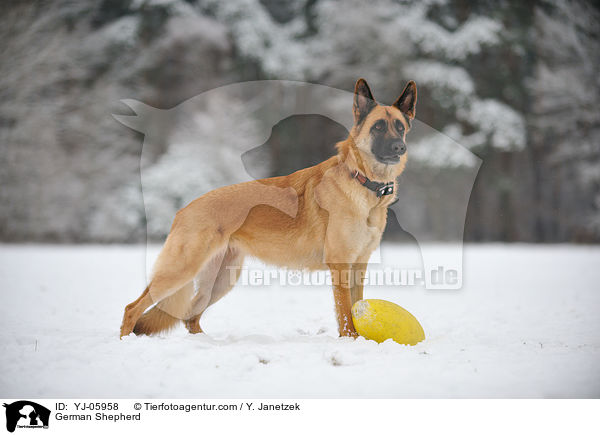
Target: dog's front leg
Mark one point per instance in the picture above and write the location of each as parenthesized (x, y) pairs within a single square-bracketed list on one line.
[(358, 273), (341, 274)]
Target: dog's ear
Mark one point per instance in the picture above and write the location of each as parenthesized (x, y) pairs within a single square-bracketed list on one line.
[(408, 100), (363, 101)]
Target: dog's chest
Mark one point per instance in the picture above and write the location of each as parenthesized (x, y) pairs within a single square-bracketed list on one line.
[(374, 226), (363, 231), (377, 218)]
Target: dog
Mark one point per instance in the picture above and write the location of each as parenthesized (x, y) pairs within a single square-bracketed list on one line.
[(328, 216)]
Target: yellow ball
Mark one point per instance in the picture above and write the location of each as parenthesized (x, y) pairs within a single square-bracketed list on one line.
[(379, 320)]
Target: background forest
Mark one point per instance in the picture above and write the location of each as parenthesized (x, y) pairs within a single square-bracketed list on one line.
[(515, 82)]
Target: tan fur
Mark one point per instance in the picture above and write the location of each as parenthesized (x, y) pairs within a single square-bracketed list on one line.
[(316, 218)]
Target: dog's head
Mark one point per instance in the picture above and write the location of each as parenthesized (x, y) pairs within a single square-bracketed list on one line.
[(379, 132)]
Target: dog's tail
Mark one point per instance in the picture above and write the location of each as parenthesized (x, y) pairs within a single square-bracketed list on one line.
[(165, 315)]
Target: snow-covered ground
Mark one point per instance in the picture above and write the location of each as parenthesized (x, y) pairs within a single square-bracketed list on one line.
[(525, 324)]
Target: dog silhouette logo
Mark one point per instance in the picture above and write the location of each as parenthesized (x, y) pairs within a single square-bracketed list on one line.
[(26, 414)]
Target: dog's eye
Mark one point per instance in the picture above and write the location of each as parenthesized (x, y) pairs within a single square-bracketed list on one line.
[(379, 125), (399, 126)]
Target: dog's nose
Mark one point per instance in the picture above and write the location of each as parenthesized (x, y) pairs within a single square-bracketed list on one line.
[(398, 148)]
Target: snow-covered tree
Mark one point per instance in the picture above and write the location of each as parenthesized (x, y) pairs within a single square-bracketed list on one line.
[(514, 82)]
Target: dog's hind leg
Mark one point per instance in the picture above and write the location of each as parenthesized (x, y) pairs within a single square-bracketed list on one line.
[(178, 263), (167, 313), (213, 282), (134, 310), (193, 324)]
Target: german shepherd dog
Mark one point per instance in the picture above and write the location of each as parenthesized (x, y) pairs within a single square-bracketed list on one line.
[(328, 216)]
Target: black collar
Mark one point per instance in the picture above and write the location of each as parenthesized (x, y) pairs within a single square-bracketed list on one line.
[(380, 189)]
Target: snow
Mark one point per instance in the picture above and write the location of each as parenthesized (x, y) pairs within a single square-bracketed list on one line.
[(525, 324), (505, 126), (258, 36), (439, 75), (447, 149), (470, 38)]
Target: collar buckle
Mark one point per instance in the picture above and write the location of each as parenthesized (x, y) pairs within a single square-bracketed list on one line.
[(385, 189)]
